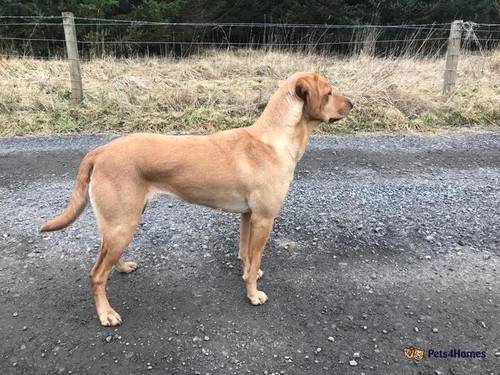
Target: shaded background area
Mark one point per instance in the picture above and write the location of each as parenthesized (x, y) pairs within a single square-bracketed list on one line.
[(292, 11), (212, 23)]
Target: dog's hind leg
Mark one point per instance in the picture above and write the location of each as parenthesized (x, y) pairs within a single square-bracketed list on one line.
[(127, 266), (114, 241), (118, 211)]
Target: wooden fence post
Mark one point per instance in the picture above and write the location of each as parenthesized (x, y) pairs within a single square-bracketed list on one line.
[(452, 54), (74, 62)]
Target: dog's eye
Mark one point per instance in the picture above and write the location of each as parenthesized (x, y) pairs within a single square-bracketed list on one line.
[(330, 93)]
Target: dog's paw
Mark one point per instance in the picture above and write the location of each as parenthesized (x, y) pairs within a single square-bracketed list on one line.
[(258, 298), (110, 318), (260, 273), (126, 267)]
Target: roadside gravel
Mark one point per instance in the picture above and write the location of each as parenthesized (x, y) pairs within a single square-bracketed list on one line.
[(384, 242)]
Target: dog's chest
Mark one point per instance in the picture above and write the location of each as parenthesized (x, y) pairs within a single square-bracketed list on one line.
[(222, 199), (237, 205), (230, 201)]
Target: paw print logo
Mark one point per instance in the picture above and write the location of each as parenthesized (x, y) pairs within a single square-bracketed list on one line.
[(413, 353)]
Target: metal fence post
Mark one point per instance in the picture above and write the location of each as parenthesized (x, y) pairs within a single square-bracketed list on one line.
[(452, 54), (74, 62)]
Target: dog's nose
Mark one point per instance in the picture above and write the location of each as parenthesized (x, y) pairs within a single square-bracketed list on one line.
[(349, 104)]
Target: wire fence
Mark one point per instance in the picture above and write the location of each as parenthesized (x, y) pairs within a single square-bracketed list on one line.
[(43, 36)]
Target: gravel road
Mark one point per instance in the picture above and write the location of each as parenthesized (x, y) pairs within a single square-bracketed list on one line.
[(384, 242)]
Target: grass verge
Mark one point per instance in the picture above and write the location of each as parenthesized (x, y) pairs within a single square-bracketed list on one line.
[(222, 89)]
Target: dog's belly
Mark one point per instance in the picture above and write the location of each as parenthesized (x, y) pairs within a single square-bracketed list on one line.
[(229, 201), (235, 205)]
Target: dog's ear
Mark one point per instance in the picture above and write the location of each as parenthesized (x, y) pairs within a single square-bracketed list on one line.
[(307, 90), (302, 88)]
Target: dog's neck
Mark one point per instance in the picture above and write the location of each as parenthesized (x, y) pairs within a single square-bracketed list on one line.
[(284, 125)]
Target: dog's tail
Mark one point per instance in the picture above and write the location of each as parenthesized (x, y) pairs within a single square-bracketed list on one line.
[(79, 198)]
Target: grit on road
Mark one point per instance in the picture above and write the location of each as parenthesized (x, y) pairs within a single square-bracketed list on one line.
[(384, 242)]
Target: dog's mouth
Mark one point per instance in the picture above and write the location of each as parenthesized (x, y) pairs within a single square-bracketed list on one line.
[(340, 115), (334, 119)]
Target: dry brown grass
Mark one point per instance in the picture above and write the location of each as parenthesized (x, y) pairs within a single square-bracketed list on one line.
[(221, 89)]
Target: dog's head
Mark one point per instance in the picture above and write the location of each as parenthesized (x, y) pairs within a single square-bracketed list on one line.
[(321, 103)]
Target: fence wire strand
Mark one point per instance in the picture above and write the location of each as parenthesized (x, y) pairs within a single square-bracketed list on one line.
[(221, 43), (434, 31), (30, 17)]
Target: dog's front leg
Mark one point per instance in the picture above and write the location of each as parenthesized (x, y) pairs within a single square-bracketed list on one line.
[(260, 227), (244, 242), (244, 238)]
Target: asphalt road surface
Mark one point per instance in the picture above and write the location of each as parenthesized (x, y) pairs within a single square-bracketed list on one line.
[(384, 242)]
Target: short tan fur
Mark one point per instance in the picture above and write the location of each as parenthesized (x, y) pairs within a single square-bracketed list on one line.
[(246, 171)]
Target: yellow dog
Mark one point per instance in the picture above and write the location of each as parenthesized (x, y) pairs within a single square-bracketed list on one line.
[(246, 171)]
